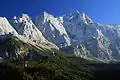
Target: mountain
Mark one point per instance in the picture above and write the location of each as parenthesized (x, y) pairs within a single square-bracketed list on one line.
[(43, 63), (76, 24), (92, 40), (52, 29), (5, 27), (75, 33), (87, 39), (27, 29), (92, 49), (14, 48)]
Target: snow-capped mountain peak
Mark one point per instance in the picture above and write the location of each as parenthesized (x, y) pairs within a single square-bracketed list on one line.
[(5, 27), (25, 18), (46, 16), (77, 17), (52, 29), (74, 32), (26, 27)]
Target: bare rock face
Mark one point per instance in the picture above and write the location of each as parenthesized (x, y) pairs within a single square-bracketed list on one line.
[(27, 30), (26, 27), (91, 40), (6, 28), (77, 34), (74, 33), (52, 29)]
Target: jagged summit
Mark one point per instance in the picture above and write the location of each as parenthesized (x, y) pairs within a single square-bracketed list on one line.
[(52, 29), (77, 17), (45, 17), (45, 13), (26, 27), (74, 33), (5, 27)]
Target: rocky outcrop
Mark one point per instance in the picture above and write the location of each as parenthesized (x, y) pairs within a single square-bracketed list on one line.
[(52, 29)]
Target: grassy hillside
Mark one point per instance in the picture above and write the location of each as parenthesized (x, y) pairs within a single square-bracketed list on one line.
[(52, 68), (49, 64), (58, 68), (44, 65)]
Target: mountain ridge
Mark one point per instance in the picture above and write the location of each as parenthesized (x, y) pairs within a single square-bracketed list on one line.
[(74, 32)]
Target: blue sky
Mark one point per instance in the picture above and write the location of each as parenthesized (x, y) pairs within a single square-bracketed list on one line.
[(103, 11)]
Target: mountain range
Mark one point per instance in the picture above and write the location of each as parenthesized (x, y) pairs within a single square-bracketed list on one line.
[(74, 33)]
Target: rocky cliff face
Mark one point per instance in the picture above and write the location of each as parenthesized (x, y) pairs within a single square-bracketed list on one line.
[(27, 30), (26, 27), (5, 27), (74, 33), (88, 39), (52, 29), (92, 40)]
